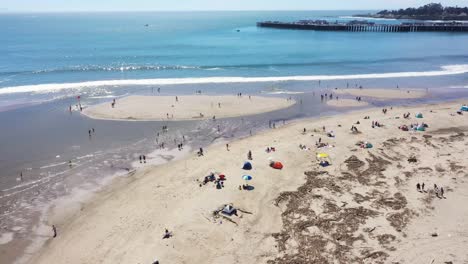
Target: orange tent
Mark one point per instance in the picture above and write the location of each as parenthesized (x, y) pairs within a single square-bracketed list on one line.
[(276, 165)]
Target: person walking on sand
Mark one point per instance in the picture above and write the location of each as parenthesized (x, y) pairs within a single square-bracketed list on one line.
[(227, 147), (422, 186), (442, 192), (418, 187), (141, 158), (249, 155), (54, 230), (144, 158), (167, 234), (177, 99)]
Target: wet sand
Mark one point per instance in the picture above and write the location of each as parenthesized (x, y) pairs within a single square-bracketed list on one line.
[(384, 93), (360, 209), (187, 107), (346, 103)]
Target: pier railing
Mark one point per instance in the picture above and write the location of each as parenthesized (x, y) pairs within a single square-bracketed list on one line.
[(370, 27)]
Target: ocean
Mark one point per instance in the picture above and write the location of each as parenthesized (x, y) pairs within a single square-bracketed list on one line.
[(48, 60)]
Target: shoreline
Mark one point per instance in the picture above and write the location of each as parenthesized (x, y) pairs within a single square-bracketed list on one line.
[(140, 174)]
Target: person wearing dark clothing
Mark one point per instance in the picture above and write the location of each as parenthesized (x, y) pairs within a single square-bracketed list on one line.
[(54, 229)]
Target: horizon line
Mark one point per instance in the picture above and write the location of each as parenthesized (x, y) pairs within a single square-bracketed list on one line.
[(171, 10)]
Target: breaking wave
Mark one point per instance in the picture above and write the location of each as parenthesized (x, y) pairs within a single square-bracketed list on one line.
[(53, 87)]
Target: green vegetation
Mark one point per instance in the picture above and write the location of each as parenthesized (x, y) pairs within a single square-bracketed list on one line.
[(431, 11)]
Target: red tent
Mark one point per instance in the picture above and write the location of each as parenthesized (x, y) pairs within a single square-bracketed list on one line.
[(276, 165)]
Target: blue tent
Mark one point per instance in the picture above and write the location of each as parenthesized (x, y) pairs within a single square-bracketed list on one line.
[(247, 166), (464, 108), (419, 115)]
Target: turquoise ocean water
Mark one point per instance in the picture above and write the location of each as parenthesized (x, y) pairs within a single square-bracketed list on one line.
[(39, 50)]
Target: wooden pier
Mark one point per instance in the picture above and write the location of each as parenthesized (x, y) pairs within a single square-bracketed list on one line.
[(367, 27)]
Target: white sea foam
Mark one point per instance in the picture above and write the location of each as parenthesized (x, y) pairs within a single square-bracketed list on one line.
[(52, 87)]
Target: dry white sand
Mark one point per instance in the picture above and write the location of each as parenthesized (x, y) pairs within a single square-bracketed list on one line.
[(361, 209), (186, 108), (384, 93), (346, 103)]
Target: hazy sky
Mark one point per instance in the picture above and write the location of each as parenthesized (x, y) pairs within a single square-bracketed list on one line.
[(182, 5)]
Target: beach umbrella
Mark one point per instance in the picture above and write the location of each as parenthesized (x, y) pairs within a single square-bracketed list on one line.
[(247, 177), (322, 155)]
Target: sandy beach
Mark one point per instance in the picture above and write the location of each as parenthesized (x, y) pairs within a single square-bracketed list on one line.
[(384, 93), (362, 208), (187, 107)]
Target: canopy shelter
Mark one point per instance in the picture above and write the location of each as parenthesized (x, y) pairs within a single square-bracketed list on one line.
[(229, 210), (276, 165), (323, 159), (247, 166), (246, 177)]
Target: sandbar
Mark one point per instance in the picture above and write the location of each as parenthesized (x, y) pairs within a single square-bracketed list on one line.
[(191, 107)]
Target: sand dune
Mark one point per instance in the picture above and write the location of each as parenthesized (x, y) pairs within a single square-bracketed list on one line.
[(186, 107), (364, 208)]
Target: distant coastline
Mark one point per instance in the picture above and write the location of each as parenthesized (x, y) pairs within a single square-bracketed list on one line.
[(431, 11), (397, 17)]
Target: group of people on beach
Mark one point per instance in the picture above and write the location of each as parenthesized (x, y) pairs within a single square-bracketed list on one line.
[(438, 191), (376, 124), (327, 96), (271, 124)]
